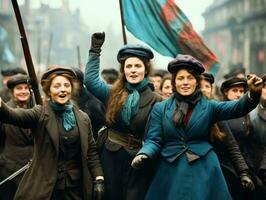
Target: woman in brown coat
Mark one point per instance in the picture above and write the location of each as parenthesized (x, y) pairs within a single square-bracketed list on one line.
[(17, 142), (65, 160)]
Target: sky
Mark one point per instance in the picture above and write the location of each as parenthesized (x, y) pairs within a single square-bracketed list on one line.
[(103, 15), (107, 9)]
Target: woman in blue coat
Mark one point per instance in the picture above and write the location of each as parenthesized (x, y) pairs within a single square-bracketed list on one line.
[(179, 132)]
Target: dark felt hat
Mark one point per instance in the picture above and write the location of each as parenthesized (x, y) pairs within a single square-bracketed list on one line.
[(208, 77), (185, 62), (234, 81), (58, 70), (135, 50), (13, 71), (17, 79)]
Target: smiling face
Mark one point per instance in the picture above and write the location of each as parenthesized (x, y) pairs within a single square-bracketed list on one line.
[(134, 70), (60, 89), (21, 92), (167, 89), (185, 82), (206, 88)]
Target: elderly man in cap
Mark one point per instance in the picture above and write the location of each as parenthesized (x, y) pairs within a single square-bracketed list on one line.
[(128, 104), (17, 142), (178, 134)]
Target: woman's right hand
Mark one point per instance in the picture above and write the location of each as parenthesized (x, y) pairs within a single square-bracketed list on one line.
[(97, 40), (138, 161)]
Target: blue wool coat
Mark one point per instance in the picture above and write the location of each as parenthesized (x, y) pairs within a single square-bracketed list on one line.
[(176, 178)]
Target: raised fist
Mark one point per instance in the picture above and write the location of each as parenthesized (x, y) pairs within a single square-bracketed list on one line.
[(97, 40), (255, 85)]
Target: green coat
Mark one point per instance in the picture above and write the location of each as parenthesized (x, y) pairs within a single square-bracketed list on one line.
[(39, 180)]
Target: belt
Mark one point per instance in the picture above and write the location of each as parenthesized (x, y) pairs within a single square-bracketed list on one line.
[(124, 139)]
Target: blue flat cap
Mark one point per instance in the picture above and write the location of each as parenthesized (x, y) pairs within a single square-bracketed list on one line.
[(136, 50)]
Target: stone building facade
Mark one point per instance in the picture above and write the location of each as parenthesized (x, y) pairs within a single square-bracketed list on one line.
[(236, 31)]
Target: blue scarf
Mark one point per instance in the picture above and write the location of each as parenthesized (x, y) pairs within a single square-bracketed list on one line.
[(131, 105), (69, 120)]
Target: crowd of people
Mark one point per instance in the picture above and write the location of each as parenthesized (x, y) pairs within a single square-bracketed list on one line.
[(133, 134)]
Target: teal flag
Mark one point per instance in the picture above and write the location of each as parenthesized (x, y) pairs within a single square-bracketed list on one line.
[(163, 25)]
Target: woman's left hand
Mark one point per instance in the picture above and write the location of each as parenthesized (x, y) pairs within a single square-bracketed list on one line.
[(255, 83), (98, 188), (246, 181)]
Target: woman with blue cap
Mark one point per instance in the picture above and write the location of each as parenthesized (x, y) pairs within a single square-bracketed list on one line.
[(179, 131), (129, 101)]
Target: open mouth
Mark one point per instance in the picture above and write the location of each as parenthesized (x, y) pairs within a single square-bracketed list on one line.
[(62, 95)]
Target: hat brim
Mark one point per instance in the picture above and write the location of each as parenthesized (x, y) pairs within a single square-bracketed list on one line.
[(240, 83), (185, 65), (59, 71)]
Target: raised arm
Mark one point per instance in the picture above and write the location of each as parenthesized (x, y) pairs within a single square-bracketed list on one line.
[(92, 77), (235, 109)]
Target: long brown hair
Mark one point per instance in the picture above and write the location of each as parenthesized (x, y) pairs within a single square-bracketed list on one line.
[(119, 93)]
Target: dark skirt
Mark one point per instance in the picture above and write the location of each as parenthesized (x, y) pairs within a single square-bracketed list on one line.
[(69, 193), (122, 182)]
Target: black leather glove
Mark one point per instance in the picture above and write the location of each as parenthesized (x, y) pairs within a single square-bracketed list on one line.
[(98, 189), (246, 181), (255, 85), (97, 40)]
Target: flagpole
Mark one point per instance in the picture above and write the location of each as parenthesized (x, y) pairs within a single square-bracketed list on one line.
[(122, 22), (78, 56)]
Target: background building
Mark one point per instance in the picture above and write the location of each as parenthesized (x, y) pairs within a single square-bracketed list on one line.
[(236, 31)]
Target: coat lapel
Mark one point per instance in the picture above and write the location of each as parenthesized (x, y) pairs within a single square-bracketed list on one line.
[(196, 114), (83, 130), (170, 107), (52, 127)]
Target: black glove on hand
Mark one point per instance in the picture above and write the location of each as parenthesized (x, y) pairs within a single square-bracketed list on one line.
[(255, 85), (97, 40), (246, 181), (98, 189)]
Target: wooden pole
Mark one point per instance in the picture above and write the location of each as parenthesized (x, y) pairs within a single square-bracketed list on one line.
[(122, 22)]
